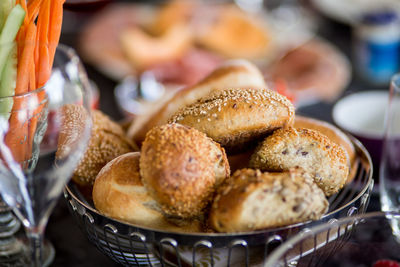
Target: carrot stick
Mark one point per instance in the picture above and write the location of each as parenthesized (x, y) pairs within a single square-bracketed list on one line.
[(43, 67), (22, 85), (33, 9), (55, 27)]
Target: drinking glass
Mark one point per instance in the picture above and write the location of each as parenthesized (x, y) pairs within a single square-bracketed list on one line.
[(31, 181), (389, 176), (361, 240)]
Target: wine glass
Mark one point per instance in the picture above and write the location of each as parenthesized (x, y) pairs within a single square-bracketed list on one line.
[(31, 180), (361, 240), (389, 171)]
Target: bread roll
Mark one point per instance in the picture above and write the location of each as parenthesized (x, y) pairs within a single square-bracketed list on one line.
[(181, 168), (236, 117), (314, 152), (252, 200), (335, 135), (232, 74), (107, 141), (118, 192)]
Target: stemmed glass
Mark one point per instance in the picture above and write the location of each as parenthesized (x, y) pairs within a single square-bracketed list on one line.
[(389, 176), (32, 175)]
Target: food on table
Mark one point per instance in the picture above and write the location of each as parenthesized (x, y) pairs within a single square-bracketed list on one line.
[(118, 192), (107, 141), (326, 161), (26, 30), (231, 74), (237, 117), (252, 200), (174, 30), (313, 71), (181, 168), (386, 263), (236, 34), (144, 50)]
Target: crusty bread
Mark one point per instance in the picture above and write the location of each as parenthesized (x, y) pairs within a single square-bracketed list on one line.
[(335, 135), (181, 167), (107, 141), (314, 152), (232, 74), (236, 117), (252, 200), (118, 192)]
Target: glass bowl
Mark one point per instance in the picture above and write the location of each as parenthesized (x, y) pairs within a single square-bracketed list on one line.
[(360, 241)]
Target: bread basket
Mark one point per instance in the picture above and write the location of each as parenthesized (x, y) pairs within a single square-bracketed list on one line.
[(132, 245)]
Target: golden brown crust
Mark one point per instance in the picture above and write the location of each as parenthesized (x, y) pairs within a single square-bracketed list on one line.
[(236, 117), (335, 135), (232, 74), (118, 192), (107, 141), (252, 200), (314, 152), (181, 167)]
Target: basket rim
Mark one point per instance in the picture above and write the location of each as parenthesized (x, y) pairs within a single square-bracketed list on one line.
[(361, 152)]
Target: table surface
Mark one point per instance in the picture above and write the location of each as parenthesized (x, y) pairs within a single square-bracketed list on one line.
[(71, 245)]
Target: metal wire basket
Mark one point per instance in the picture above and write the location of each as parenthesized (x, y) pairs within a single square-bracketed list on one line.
[(128, 244)]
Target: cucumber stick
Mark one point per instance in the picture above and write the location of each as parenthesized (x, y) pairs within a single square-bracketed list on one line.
[(7, 83), (9, 32), (5, 8)]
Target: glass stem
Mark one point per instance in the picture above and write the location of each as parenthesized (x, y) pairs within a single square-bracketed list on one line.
[(35, 237)]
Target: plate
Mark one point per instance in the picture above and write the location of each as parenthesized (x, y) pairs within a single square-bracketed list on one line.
[(349, 11), (100, 41)]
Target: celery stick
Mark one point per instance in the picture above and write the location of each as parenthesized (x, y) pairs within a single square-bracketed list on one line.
[(7, 83), (9, 32)]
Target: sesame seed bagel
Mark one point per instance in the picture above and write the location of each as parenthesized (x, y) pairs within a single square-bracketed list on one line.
[(252, 200), (119, 193), (107, 141), (286, 148), (231, 74), (236, 117), (181, 168)]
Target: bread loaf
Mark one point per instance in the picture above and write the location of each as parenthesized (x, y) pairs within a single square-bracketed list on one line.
[(314, 152), (252, 200), (118, 192), (236, 117), (181, 168), (232, 74), (107, 141)]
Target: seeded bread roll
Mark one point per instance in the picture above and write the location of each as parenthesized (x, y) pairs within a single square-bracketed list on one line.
[(118, 192), (236, 117), (314, 152), (252, 200), (107, 141), (232, 74), (335, 135), (181, 168)]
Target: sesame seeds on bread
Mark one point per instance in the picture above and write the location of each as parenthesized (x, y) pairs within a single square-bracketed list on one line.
[(107, 141), (181, 168), (286, 148), (231, 74), (252, 200), (236, 117)]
